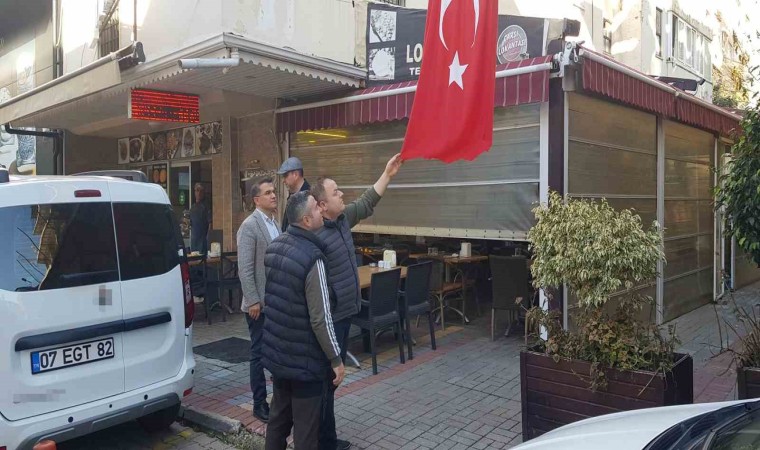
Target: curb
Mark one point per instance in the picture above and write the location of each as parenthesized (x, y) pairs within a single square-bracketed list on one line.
[(210, 421)]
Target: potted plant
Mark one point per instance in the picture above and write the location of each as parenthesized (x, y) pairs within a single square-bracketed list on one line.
[(738, 196), (745, 326), (611, 361)]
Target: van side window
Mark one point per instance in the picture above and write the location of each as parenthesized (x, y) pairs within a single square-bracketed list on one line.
[(146, 239), (56, 246)]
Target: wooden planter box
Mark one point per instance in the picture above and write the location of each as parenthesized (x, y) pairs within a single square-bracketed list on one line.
[(553, 393), (748, 382)]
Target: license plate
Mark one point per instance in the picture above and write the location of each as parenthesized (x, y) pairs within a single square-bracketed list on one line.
[(71, 355)]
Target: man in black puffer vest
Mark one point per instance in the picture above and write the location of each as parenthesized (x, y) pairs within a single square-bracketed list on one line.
[(299, 346), (342, 269)]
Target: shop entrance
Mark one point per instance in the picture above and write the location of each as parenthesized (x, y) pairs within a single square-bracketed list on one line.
[(183, 177)]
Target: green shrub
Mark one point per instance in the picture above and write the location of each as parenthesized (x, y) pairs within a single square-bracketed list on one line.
[(598, 252)]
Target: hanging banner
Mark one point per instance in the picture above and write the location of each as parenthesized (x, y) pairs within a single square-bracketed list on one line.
[(395, 36)]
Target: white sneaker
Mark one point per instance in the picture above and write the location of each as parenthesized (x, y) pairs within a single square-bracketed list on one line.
[(198, 300)]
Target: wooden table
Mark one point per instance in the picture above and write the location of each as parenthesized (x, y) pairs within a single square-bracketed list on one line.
[(365, 274), (217, 261), (449, 259), (214, 260)]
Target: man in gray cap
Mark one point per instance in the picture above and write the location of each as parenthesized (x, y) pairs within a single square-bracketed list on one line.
[(292, 172)]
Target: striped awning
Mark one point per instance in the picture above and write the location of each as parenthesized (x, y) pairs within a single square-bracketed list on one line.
[(517, 83), (608, 78)]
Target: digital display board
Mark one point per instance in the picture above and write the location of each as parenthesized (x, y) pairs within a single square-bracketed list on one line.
[(145, 104)]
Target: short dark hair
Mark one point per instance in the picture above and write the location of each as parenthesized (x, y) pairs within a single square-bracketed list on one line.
[(256, 188), (318, 189), (296, 207), (300, 172)]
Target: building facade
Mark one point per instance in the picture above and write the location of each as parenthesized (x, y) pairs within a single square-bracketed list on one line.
[(286, 49), (294, 77)]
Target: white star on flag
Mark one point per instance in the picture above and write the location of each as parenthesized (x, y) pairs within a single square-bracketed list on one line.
[(456, 71)]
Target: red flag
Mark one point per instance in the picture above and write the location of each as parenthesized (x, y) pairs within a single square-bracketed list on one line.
[(452, 115)]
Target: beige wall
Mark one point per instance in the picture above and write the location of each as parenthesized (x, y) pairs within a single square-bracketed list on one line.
[(323, 28), (258, 148), (85, 153), (588, 12)]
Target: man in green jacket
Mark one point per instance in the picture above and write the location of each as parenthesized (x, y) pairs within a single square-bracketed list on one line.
[(343, 275)]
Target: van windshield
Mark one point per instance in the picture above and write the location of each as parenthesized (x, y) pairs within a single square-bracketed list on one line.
[(56, 246)]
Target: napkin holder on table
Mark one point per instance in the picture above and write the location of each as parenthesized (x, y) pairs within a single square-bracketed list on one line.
[(466, 250), (389, 256)]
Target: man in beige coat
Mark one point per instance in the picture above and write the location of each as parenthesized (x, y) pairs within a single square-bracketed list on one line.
[(254, 236)]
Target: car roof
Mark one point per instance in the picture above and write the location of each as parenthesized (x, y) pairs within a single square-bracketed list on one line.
[(113, 189), (62, 178)]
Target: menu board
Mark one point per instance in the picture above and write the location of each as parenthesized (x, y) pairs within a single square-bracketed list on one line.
[(176, 144)]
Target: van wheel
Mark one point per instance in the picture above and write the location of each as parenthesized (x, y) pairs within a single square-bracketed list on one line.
[(159, 420)]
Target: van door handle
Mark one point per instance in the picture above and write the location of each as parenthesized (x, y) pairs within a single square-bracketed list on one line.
[(91, 331)]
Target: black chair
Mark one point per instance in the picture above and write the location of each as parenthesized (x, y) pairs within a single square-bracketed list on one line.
[(359, 258), (381, 312), (416, 300), (509, 279), (225, 281), (199, 280)]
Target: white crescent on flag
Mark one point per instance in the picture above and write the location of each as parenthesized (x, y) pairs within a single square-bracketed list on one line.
[(444, 6)]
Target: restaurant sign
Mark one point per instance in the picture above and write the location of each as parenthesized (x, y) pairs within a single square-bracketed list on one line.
[(395, 36)]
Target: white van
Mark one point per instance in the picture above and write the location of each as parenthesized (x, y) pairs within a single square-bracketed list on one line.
[(95, 308)]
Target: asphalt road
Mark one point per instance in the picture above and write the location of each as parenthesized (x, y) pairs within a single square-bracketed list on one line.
[(132, 437)]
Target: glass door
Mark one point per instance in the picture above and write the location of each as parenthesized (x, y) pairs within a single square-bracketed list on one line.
[(180, 195)]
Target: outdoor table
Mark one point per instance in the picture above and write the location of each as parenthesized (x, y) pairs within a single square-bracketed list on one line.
[(454, 262), (365, 274), (217, 262)]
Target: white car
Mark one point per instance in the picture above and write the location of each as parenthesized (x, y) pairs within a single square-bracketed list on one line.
[(725, 425), (95, 308)]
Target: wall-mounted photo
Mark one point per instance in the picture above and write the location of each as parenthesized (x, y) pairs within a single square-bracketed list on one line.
[(209, 136), (149, 150), (136, 147), (123, 150), (159, 145), (173, 138), (189, 144)]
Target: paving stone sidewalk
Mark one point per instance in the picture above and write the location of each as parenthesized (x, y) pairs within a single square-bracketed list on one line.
[(466, 394), (130, 436)]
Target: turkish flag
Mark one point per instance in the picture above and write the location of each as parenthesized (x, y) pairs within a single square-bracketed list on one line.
[(452, 114)]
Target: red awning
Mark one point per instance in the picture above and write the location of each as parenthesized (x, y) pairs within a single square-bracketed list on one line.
[(517, 83), (609, 78)]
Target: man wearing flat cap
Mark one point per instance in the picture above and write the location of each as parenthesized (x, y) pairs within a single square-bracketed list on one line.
[(292, 172)]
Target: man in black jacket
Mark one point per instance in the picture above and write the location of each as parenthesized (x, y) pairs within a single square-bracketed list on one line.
[(291, 172), (339, 218), (299, 346)]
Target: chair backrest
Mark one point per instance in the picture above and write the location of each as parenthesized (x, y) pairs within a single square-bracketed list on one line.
[(198, 274), (509, 279), (383, 294), (359, 259), (437, 273), (417, 289)]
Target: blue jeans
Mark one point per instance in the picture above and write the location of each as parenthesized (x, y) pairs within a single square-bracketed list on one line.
[(328, 436), (258, 381)]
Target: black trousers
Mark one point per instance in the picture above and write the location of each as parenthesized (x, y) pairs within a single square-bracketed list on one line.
[(295, 404), (328, 436), (258, 381)]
